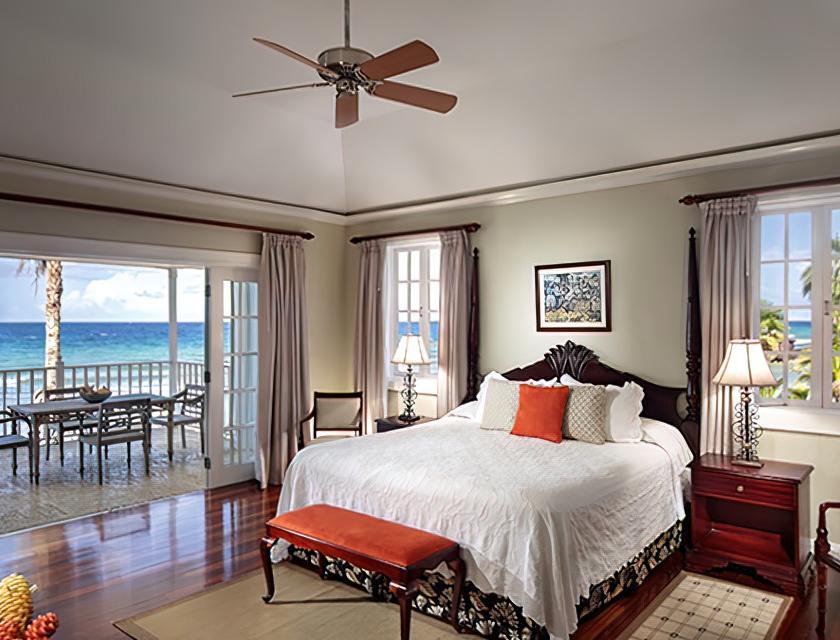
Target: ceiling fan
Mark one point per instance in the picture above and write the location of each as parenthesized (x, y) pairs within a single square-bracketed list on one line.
[(349, 69)]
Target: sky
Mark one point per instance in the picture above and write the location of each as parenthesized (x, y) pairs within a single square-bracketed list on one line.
[(102, 293), (799, 252)]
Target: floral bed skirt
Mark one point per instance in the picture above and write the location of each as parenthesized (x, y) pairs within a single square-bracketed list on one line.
[(490, 614)]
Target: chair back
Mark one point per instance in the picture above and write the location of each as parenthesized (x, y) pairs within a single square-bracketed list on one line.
[(124, 415), (192, 400), (337, 411), (45, 395)]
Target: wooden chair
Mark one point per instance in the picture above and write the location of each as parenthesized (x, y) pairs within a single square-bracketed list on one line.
[(84, 421), (824, 559), (192, 401), (119, 422), (15, 440), (333, 412)]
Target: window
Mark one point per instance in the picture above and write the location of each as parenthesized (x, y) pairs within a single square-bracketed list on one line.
[(413, 301), (798, 289)]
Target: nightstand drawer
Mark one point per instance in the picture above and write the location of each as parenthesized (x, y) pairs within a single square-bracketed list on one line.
[(780, 495)]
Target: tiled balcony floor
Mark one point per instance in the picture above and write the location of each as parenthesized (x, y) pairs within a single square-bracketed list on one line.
[(63, 494)]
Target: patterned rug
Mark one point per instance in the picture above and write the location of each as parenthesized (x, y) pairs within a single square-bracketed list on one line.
[(63, 495), (695, 607)]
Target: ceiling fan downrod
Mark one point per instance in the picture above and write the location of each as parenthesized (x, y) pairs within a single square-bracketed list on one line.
[(346, 23)]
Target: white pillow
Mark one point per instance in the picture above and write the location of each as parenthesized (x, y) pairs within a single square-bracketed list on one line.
[(495, 375), (624, 410), (501, 403), (466, 410)]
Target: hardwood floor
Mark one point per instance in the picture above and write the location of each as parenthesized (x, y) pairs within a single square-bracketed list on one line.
[(103, 568)]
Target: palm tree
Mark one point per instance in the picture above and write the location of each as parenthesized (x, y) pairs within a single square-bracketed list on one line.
[(805, 278), (50, 270)]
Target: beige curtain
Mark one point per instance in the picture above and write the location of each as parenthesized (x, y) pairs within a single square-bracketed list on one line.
[(284, 394), (370, 332), (454, 319), (725, 294)]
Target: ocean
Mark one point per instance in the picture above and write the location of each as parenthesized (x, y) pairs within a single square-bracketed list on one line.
[(22, 343)]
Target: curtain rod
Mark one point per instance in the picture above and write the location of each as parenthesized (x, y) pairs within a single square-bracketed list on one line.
[(470, 227), (772, 188), (169, 217)]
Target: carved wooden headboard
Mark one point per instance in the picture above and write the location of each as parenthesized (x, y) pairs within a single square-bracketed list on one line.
[(679, 406), (668, 404)]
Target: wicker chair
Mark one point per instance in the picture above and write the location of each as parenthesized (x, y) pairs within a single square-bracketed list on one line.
[(119, 422), (192, 404), (339, 414), (825, 559), (84, 421), (11, 438)]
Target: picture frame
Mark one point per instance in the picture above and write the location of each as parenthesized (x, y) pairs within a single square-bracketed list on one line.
[(573, 296)]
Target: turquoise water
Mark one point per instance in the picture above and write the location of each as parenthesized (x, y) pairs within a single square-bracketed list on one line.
[(22, 343)]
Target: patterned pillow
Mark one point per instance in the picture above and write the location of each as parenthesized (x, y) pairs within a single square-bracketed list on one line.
[(501, 402), (586, 414)]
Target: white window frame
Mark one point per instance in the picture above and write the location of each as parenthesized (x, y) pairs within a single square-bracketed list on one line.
[(820, 207), (427, 374)]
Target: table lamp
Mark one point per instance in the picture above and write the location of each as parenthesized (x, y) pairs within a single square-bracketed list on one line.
[(410, 351), (745, 366)]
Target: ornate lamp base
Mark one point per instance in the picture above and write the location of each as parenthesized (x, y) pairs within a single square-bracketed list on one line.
[(747, 432), (409, 396)]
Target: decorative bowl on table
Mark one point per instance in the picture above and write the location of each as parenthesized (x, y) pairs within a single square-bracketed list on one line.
[(95, 396)]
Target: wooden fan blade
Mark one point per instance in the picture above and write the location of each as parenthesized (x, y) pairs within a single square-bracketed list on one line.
[(297, 86), (311, 63), (415, 96), (405, 58), (346, 109)]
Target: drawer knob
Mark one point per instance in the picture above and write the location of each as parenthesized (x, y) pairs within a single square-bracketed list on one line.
[(740, 488)]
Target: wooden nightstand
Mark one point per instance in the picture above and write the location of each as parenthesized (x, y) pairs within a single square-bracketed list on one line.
[(753, 519), (393, 422)]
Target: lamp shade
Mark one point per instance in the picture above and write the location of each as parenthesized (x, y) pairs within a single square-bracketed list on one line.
[(411, 350), (745, 365)]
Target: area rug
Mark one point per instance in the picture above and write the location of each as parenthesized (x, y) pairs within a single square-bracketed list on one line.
[(695, 607), (63, 495), (304, 607)]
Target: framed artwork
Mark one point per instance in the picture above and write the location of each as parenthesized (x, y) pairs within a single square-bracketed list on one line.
[(573, 297)]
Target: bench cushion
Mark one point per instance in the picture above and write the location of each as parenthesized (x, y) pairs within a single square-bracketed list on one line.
[(390, 542)]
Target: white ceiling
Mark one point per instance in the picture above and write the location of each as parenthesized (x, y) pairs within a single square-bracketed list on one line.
[(547, 88)]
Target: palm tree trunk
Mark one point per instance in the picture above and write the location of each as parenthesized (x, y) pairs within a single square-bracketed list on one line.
[(52, 315)]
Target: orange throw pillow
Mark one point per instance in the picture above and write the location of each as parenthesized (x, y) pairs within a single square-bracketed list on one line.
[(541, 411)]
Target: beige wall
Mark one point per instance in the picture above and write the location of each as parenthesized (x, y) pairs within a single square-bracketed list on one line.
[(642, 230)]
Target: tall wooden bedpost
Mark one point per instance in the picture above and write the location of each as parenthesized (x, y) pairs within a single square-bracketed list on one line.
[(693, 341), (473, 377)]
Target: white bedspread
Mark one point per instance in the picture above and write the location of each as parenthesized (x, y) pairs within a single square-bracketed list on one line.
[(539, 522)]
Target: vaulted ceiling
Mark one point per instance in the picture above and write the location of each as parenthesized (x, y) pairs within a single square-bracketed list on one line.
[(546, 88)]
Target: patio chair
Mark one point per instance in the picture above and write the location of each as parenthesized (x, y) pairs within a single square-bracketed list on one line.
[(191, 400), (11, 438), (333, 412), (84, 421), (119, 422), (825, 559)]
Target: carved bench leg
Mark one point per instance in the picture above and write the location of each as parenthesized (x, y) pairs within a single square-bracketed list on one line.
[(822, 588), (405, 594), (266, 545), (459, 569), (322, 565)]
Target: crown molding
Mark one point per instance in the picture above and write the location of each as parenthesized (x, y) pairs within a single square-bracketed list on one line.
[(109, 188)]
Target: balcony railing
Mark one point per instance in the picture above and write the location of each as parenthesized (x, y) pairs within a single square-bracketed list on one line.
[(21, 386)]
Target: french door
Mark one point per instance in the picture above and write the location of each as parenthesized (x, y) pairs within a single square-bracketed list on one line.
[(231, 360)]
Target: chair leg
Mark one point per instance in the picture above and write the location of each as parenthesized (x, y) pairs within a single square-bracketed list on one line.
[(49, 437), (405, 594), (99, 460), (183, 436), (31, 467), (106, 452), (457, 567), (81, 458), (147, 450), (14, 461), (61, 446), (128, 454), (265, 553)]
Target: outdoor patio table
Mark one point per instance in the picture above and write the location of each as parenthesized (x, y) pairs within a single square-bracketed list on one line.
[(39, 414)]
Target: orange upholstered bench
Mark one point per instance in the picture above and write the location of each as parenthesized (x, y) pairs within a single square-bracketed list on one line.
[(399, 552)]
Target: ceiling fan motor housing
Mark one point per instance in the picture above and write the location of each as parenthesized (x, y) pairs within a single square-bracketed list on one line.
[(343, 60)]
